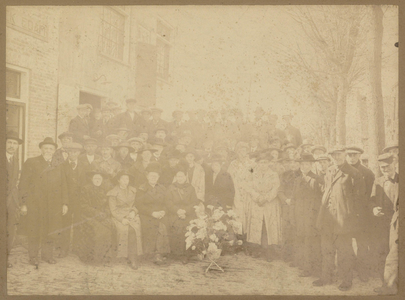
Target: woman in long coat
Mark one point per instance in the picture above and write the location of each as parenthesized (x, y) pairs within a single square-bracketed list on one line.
[(195, 174), (181, 199), (126, 219), (264, 223), (307, 197), (95, 233)]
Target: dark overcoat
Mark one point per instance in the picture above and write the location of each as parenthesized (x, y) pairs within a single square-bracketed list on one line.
[(221, 192), (307, 196), (342, 200), (43, 189), (148, 200), (79, 127)]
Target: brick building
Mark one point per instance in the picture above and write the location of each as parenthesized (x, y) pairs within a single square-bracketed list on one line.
[(58, 57)]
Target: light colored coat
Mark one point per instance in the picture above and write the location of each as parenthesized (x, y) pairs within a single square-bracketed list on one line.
[(121, 205), (198, 181), (265, 206), (242, 179)]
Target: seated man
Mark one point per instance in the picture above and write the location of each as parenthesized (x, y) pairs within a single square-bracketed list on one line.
[(151, 204)]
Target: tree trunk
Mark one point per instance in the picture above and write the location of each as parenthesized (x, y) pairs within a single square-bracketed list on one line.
[(341, 111), (376, 107)]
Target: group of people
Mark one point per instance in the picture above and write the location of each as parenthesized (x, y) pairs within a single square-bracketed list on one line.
[(125, 185)]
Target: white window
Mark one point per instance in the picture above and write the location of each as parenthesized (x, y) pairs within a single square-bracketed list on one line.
[(113, 38), (16, 104)]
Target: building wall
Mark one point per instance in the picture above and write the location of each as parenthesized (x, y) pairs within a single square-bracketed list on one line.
[(32, 47)]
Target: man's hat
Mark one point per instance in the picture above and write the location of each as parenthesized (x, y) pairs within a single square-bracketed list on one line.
[(337, 149), (288, 146), (323, 157), (126, 145), (175, 112), (89, 106), (154, 167), (354, 150), (112, 137), (305, 143), (318, 147), (174, 154), (306, 157), (160, 128), (48, 141), (156, 109), (65, 134), (390, 147), (191, 151), (146, 149), (385, 159), (13, 135), (135, 139), (90, 141), (158, 142), (74, 146), (82, 106), (130, 100)]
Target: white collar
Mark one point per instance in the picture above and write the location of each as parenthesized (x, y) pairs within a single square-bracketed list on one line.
[(9, 156)]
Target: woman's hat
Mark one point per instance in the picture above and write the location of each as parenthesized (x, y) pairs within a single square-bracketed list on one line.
[(122, 173), (289, 146), (146, 149), (318, 147), (48, 141), (13, 135)]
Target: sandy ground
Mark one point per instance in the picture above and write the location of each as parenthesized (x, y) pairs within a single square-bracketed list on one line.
[(243, 275)]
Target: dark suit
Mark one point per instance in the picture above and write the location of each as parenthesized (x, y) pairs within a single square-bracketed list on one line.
[(384, 194), (12, 169), (79, 127), (59, 157), (362, 236), (124, 120), (337, 219), (75, 179), (43, 189), (220, 192)]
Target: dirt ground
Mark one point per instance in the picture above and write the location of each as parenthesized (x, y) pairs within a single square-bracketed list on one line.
[(243, 275)]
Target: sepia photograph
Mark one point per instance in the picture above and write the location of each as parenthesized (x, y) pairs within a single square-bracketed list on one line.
[(202, 150)]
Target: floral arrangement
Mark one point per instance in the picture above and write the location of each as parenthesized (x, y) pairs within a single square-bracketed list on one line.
[(212, 231)]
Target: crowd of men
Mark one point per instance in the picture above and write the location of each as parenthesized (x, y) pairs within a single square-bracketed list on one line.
[(297, 200)]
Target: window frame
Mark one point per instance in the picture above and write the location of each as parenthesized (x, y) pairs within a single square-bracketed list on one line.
[(167, 43)]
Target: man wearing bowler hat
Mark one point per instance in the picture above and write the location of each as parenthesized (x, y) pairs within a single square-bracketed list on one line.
[(79, 125), (75, 172), (338, 217), (13, 142), (365, 216), (384, 195), (44, 198)]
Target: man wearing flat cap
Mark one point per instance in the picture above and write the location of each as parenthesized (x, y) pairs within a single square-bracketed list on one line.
[(13, 142), (383, 200), (75, 172), (79, 125), (44, 198), (338, 218), (129, 119), (394, 150), (363, 263)]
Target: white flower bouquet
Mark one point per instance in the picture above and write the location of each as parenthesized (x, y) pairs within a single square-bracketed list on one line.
[(212, 231)]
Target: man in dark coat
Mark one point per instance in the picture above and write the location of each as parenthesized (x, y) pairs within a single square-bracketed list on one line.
[(61, 155), (383, 198), (157, 121), (292, 133), (151, 204), (89, 158), (43, 195), (13, 206), (363, 261), (75, 172), (219, 189), (337, 219), (123, 151), (79, 126), (129, 119)]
